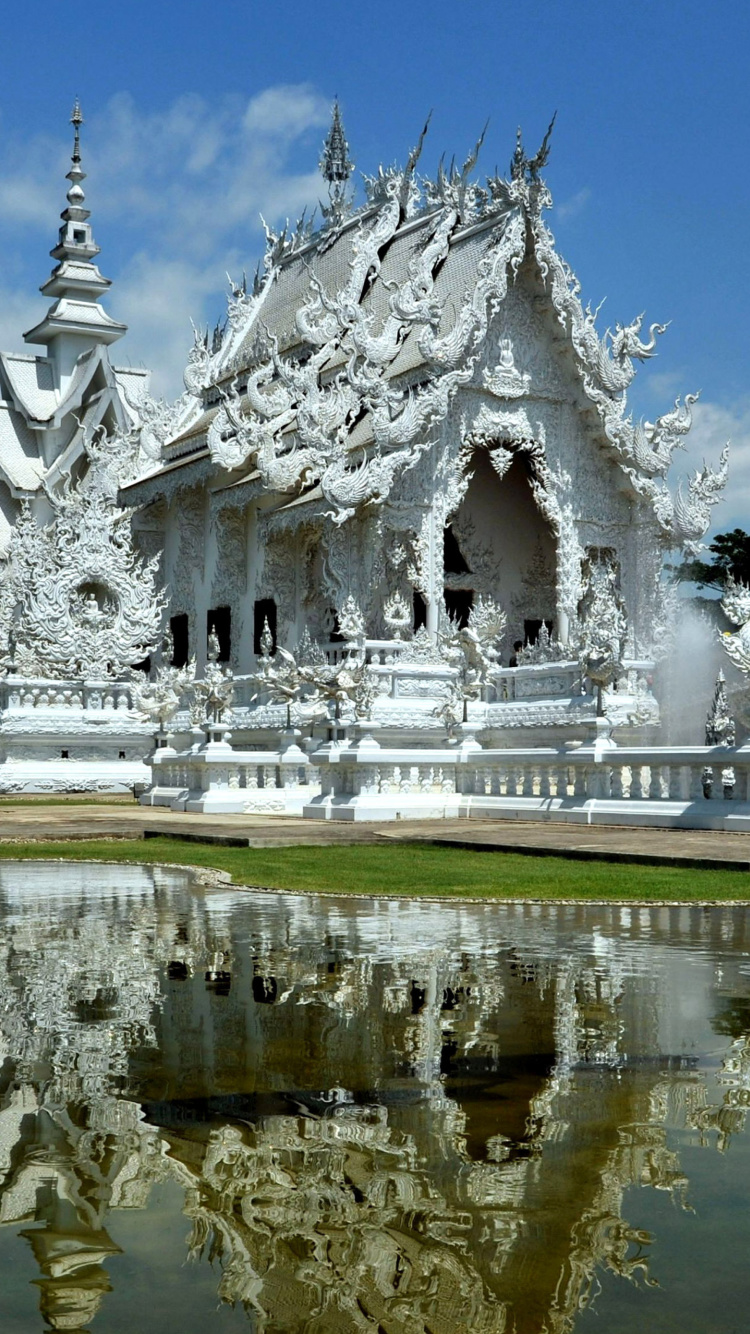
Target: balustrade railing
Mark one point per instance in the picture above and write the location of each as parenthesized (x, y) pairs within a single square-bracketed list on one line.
[(651, 774), (21, 693), (249, 772), (535, 777)]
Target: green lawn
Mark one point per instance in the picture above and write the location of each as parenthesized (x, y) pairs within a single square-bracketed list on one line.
[(408, 869)]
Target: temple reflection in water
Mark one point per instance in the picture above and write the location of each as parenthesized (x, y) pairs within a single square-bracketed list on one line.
[(380, 1116)]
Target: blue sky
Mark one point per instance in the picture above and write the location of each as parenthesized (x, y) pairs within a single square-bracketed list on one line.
[(199, 117)]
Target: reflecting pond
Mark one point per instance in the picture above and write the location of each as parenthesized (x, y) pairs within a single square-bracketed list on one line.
[(278, 1113)]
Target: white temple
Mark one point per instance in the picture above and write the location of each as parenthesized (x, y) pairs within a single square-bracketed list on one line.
[(408, 459), (413, 409), (400, 515)]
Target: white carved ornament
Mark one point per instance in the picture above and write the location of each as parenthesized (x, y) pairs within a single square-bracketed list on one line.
[(75, 598)]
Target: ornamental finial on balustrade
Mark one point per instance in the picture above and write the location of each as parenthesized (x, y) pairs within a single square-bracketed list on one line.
[(720, 730)]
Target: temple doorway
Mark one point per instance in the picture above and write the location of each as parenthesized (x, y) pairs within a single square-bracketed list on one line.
[(499, 544)]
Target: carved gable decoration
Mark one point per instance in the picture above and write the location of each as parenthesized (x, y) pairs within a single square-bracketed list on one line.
[(345, 366), (76, 599)]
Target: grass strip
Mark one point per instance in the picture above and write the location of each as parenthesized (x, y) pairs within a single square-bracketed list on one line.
[(408, 870)]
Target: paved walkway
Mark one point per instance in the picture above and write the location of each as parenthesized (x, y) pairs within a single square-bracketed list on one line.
[(112, 819)]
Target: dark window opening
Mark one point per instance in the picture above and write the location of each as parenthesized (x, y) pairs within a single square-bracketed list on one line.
[(79, 237), (178, 626), (219, 619), (458, 604), (121, 754), (453, 558), (420, 611), (336, 636), (264, 610), (63, 754), (531, 630)]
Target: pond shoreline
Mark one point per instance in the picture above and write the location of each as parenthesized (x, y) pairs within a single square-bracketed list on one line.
[(415, 872)]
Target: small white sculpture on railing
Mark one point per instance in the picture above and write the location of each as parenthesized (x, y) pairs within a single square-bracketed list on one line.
[(544, 649), (160, 698), (720, 731), (474, 651), (282, 678), (310, 686), (212, 695), (266, 641)]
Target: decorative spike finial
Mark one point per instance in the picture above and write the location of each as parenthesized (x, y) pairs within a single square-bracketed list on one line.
[(76, 120), (518, 161), (335, 164), (76, 173), (523, 167), (540, 159)]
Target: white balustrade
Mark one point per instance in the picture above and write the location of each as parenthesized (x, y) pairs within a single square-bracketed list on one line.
[(642, 785), (217, 778), (24, 694)]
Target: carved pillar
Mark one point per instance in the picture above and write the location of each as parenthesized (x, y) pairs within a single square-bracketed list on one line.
[(434, 574), (568, 591)]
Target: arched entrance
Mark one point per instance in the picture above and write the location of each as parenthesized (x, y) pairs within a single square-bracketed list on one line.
[(498, 543)]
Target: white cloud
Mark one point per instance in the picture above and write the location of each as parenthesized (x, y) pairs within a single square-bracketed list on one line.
[(570, 208), (175, 197), (19, 310)]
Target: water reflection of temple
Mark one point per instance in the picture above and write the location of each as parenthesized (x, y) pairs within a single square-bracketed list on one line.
[(370, 1130)]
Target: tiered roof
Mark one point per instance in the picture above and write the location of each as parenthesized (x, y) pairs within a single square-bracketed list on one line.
[(358, 337)]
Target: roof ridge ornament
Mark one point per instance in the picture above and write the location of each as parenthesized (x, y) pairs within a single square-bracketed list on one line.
[(525, 168), (335, 165)]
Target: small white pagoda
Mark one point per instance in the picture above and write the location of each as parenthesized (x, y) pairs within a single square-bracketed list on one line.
[(79, 605)]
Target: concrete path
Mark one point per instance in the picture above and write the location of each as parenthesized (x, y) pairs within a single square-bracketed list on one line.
[(124, 819)]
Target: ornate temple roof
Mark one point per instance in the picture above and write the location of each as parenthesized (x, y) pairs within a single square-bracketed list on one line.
[(361, 336)]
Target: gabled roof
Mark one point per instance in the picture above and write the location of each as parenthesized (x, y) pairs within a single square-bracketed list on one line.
[(20, 463), (32, 384), (361, 335)]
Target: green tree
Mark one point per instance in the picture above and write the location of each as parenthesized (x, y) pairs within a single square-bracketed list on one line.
[(731, 559)]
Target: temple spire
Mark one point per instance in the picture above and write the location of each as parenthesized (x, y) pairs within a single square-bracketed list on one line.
[(76, 174), (76, 321), (335, 164)]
